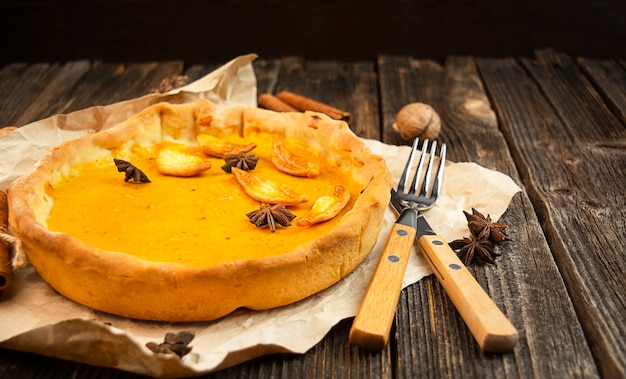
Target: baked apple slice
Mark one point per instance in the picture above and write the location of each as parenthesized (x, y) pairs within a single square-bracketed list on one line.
[(178, 162), (216, 147), (326, 207), (290, 163), (264, 190)]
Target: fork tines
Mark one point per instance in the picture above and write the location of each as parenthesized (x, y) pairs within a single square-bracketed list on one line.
[(426, 177)]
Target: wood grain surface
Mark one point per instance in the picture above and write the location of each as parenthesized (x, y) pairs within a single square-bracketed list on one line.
[(553, 122)]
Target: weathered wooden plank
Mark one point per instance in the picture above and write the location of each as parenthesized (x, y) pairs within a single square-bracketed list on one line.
[(586, 116), (81, 94), (107, 83), (17, 365), (348, 86), (55, 87), (267, 74), (9, 79), (610, 81), (196, 72), (333, 357), (471, 130), (594, 207), (560, 129), (399, 85), (25, 93), (41, 90)]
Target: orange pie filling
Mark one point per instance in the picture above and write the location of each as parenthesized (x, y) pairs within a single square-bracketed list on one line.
[(198, 220)]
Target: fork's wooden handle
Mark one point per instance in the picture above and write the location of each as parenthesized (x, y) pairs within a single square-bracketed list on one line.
[(491, 328), (372, 324)]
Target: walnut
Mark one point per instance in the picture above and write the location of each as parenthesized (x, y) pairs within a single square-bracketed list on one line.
[(417, 120)]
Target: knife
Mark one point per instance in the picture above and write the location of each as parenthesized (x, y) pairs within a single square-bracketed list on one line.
[(490, 327)]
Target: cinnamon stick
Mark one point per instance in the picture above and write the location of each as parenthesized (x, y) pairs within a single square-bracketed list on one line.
[(306, 104), (271, 102), (5, 259)]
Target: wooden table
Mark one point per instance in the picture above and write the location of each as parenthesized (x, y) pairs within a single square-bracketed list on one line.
[(553, 122)]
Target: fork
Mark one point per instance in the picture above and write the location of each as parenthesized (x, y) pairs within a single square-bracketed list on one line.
[(370, 329)]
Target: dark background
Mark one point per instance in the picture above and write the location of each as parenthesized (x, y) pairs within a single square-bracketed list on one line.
[(197, 31)]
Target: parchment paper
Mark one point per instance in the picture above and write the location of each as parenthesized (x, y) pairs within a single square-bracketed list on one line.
[(35, 318), (232, 84)]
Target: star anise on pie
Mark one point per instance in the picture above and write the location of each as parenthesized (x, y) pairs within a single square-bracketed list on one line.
[(483, 228), (132, 173), (473, 247), (269, 215), (242, 161), (174, 343)]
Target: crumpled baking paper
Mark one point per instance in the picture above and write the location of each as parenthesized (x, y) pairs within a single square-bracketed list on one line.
[(232, 84), (35, 318)]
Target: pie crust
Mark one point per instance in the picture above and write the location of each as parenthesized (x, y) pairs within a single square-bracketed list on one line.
[(121, 283)]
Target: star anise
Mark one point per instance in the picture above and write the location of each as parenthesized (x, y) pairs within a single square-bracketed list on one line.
[(174, 343), (483, 228), (242, 161), (473, 247), (132, 173), (269, 215), (169, 84)]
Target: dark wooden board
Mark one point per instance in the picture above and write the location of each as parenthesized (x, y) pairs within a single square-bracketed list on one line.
[(56, 87), (595, 207), (558, 126), (267, 74), (471, 130), (43, 90), (351, 87), (109, 83), (195, 72), (609, 78), (547, 122), (26, 90)]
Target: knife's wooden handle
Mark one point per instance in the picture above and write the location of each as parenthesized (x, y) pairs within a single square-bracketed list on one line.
[(491, 328), (372, 324)]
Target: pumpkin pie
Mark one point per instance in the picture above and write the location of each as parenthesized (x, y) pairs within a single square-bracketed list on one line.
[(188, 212)]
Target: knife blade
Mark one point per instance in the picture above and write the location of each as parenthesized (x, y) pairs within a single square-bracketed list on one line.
[(490, 327)]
